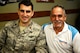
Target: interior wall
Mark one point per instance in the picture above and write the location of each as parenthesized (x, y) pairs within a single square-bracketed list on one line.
[(73, 4)]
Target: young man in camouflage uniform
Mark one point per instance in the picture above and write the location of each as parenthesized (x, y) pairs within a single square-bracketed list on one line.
[(23, 35)]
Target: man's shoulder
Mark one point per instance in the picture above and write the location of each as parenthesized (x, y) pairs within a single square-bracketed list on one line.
[(11, 23), (36, 25), (73, 30), (45, 25)]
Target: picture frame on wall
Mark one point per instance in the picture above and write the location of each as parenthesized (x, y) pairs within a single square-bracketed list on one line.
[(70, 0), (45, 1), (4, 2)]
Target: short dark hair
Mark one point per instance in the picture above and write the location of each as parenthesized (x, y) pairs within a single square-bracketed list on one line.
[(26, 2)]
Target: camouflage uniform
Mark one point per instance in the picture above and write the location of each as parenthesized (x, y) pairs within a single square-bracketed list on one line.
[(12, 41)]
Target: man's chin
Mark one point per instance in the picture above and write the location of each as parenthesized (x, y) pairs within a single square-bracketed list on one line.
[(25, 21)]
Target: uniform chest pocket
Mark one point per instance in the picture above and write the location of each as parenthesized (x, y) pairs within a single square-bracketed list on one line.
[(31, 38)]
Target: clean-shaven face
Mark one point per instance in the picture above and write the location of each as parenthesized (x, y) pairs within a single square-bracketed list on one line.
[(25, 13)]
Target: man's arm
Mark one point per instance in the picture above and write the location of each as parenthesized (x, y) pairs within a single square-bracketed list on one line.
[(41, 46), (2, 37), (76, 43)]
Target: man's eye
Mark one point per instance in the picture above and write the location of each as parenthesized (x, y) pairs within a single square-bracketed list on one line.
[(53, 15), (59, 15), (27, 11), (56, 16), (22, 10)]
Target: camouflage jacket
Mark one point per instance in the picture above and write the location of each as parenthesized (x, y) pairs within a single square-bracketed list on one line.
[(32, 40)]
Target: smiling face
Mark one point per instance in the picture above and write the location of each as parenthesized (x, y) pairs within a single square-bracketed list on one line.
[(25, 13), (58, 17)]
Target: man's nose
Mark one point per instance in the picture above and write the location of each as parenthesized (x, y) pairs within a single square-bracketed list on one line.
[(24, 13), (57, 18)]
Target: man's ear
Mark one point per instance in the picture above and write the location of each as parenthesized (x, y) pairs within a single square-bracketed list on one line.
[(65, 18), (32, 13)]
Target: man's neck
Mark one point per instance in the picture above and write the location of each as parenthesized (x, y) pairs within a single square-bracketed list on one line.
[(24, 24), (58, 29)]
